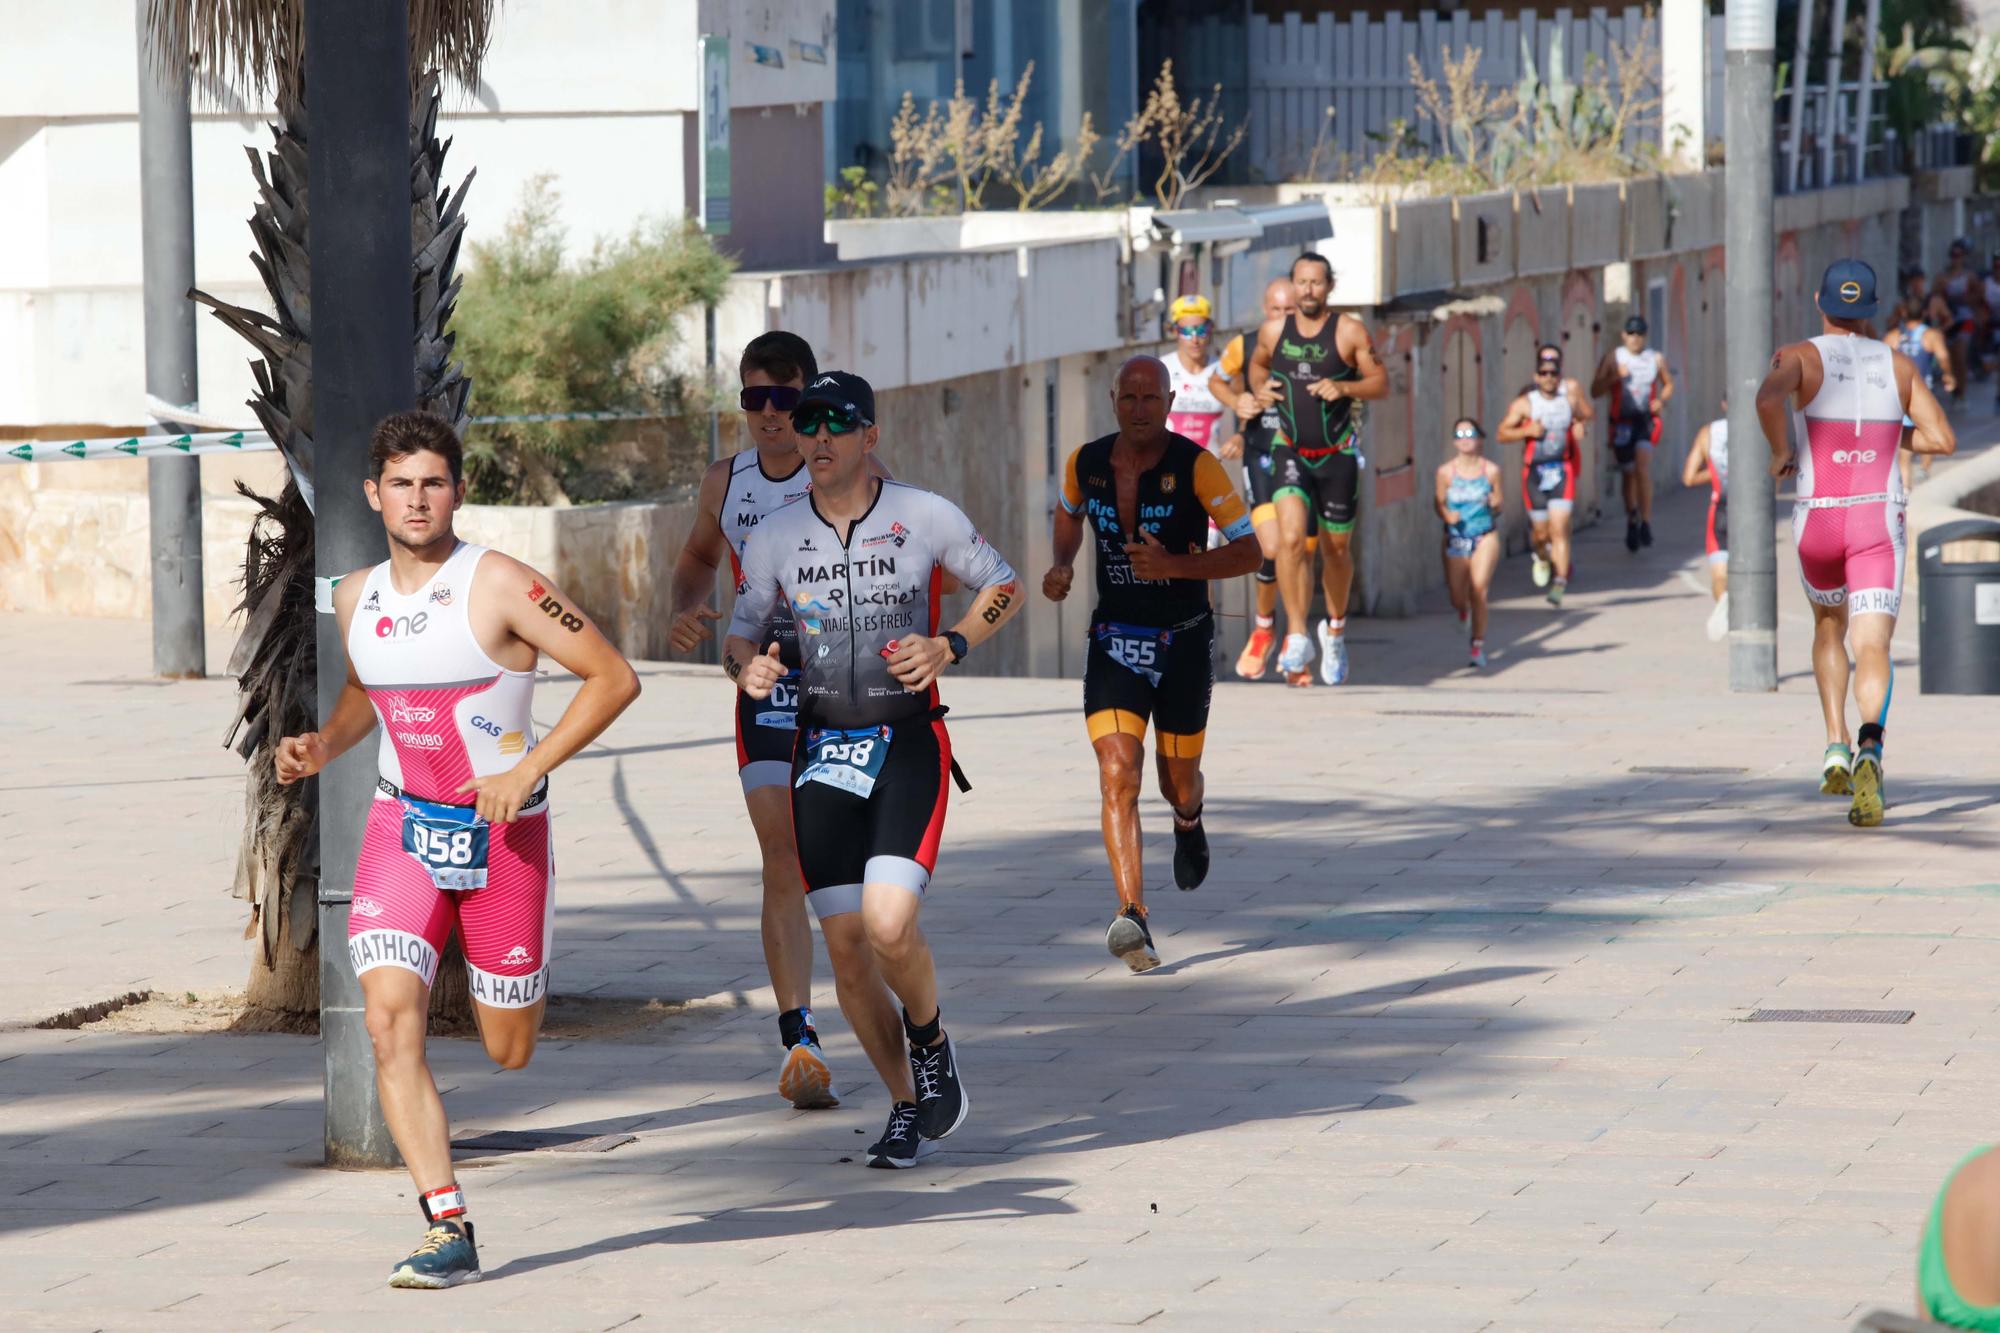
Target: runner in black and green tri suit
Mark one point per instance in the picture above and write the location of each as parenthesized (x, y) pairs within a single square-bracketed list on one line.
[(1321, 362)]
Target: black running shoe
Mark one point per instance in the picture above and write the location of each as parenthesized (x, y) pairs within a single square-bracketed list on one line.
[(900, 1145), (1131, 941), (1631, 535), (941, 1099), (1645, 533), (1190, 854)]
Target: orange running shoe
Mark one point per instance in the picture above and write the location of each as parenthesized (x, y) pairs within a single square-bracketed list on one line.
[(1256, 657)]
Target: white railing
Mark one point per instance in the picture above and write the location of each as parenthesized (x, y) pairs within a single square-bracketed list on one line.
[(1359, 66)]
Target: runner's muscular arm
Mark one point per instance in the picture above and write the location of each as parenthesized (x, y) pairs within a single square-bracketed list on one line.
[(1933, 433), (352, 718), (1498, 501), (1519, 424), (1695, 471), (1259, 370), (1666, 382), (1357, 348), (1240, 552), (963, 553), (1067, 534), (1605, 382), (1774, 406), (694, 569), (1935, 344), (540, 615), (1579, 402)]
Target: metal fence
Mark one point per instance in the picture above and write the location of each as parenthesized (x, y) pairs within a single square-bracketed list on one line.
[(1359, 66)]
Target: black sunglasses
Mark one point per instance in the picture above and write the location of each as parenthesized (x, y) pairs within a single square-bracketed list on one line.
[(1548, 368), (828, 417), (781, 397)]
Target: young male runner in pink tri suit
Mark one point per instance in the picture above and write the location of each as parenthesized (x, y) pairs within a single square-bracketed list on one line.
[(442, 641), (1844, 394)]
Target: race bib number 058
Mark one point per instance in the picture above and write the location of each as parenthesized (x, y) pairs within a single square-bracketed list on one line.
[(848, 760), (448, 841)]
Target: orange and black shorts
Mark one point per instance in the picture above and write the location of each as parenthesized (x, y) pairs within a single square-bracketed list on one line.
[(1135, 674)]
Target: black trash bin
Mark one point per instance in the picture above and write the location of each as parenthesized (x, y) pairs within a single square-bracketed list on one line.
[(1959, 612)]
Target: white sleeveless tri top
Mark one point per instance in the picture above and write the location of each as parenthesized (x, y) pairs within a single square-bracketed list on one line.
[(1850, 430), (752, 496), (449, 713), (1553, 415)]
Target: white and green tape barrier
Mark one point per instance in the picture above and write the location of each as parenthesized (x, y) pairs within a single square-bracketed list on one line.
[(137, 446), (233, 441)]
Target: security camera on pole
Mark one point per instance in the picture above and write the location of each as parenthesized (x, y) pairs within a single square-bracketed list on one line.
[(1752, 36)]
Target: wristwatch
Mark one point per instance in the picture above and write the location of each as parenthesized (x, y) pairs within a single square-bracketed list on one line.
[(956, 643)]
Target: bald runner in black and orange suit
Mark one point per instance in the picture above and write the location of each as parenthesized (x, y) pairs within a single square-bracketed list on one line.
[(1149, 495)]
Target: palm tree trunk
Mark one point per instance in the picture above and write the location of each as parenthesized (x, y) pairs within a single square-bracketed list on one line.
[(278, 861)]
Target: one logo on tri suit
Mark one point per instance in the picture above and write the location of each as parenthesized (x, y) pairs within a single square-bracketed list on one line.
[(374, 602), (402, 627), (518, 956), (441, 594), (1168, 483)]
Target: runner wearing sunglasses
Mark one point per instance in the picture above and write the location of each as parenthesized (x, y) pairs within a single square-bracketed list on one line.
[(737, 494), (1468, 500), (1197, 412), (1548, 418), (859, 562)]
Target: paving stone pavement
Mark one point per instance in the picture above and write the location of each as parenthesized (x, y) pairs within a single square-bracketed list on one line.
[(1451, 1039)]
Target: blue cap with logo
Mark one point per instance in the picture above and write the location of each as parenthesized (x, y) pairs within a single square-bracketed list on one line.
[(1848, 290)]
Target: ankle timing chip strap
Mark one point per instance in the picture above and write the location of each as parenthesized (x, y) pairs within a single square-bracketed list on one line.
[(440, 1204)]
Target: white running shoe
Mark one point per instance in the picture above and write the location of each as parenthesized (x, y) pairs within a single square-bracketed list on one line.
[(1718, 620), (1541, 571), (1298, 652), (1332, 655)]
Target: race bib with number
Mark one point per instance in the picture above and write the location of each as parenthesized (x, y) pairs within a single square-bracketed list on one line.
[(449, 841), (1137, 648), (1549, 476), (780, 712), (848, 760)]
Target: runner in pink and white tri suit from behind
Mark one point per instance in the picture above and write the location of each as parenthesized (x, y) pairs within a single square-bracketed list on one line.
[(1844, 395)]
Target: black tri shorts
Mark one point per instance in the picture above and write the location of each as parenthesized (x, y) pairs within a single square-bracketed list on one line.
[(765, 732), (1628, 434), (1136, 673), (1330, 486), (868, 808)]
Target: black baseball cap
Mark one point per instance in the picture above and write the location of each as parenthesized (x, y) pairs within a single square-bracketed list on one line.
[(1636, 324), (1847, 291), (837, 388)]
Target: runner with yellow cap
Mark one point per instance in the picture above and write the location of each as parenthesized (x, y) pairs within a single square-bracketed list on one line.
[(1195, 410)]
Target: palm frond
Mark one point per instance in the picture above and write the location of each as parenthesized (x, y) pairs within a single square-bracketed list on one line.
[(260, 44)]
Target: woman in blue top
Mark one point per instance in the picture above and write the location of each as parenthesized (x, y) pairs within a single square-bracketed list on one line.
[(1468, 500)]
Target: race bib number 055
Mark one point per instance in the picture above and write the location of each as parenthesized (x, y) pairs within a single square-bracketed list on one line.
[(1137, 648)]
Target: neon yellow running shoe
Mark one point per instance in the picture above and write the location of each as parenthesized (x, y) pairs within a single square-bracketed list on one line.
[(1866, 812), (1836, 776)]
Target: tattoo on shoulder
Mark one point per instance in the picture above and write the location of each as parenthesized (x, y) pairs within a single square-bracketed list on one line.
[(546, 602)]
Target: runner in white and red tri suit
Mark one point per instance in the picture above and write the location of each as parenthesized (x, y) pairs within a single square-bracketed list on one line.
[(1638, 381), (737, 494), (1844, 395), (1708, 461), (1197, 413), (442, 642), (1549, 418)]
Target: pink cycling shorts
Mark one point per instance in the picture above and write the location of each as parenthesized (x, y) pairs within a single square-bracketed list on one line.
[(401, 918), (1852, 555)]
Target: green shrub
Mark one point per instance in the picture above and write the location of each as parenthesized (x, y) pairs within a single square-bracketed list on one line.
[(540, 333)]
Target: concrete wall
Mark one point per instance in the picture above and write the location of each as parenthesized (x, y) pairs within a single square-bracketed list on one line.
[(991, 365)]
